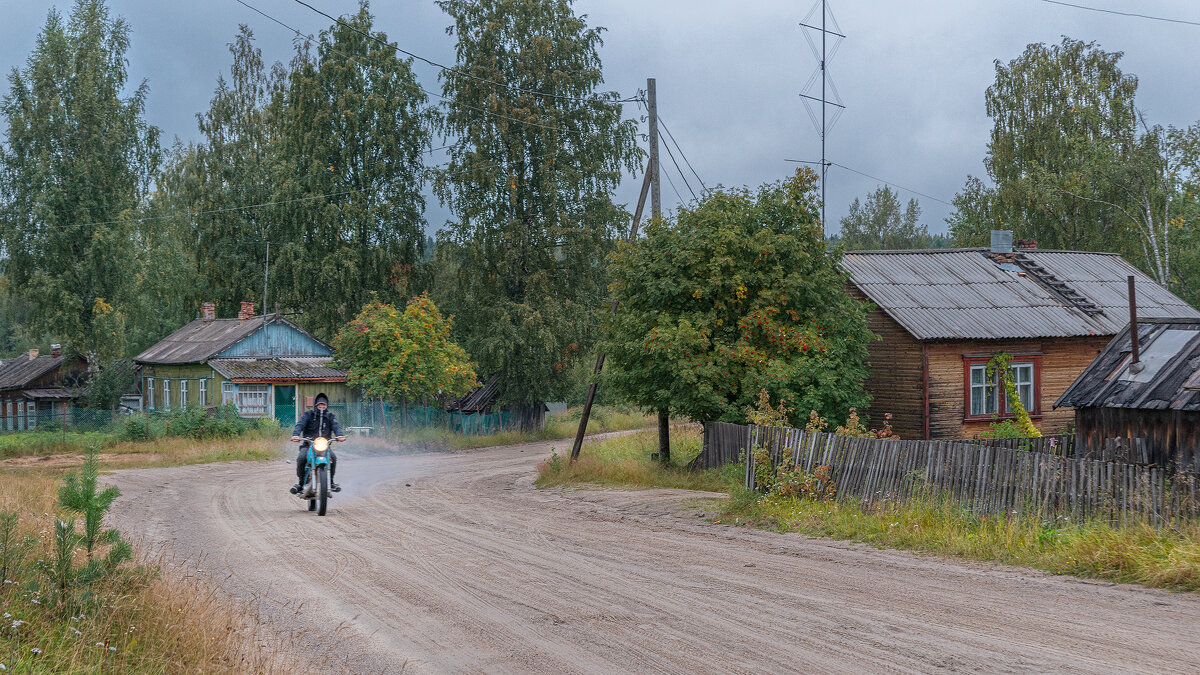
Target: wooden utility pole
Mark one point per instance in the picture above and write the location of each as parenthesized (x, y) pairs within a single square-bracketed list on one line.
[(664, 431), (649, 184)]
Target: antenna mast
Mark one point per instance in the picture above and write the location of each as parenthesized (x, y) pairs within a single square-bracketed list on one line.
[(828, 27)]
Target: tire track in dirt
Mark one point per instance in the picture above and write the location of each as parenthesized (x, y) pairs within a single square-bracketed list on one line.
[(471, 569)]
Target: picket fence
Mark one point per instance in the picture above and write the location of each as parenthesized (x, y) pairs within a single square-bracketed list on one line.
[(987, 479)]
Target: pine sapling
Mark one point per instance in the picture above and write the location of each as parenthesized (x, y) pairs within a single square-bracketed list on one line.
[(80, 493), (13, 549)]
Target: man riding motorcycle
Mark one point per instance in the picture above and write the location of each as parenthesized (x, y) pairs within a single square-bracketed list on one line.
[(316, 422)]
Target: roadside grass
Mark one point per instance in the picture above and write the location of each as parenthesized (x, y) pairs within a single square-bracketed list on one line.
[(1137, 553), (27, 443), (148, 617), (558, 425), (626, 461)]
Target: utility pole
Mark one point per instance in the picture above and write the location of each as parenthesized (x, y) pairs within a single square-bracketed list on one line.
[(664, 415), (827, 86), (649, 184)]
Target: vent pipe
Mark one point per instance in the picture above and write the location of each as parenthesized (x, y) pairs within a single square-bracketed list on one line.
[(1135, 366)]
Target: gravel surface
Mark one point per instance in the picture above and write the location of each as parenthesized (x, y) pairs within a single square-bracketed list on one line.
[(456, 563)]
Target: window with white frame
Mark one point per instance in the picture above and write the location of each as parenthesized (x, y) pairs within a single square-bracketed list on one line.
[(166, 394), (985, 397), (150, 393), (203, 393), (226, 393), (183, 388), (252, 399)]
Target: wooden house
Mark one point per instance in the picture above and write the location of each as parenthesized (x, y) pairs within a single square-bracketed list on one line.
[(1153, 400), (265, 365), (942, 314), (40, 388)]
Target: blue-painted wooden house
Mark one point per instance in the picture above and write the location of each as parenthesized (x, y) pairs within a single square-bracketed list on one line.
[(266, 365)]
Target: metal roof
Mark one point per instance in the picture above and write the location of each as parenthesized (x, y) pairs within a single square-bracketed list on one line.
[(53, 392), (22, 370), (1170, 355), (299, 368), (480, 399), (203, 339), (961, 294)]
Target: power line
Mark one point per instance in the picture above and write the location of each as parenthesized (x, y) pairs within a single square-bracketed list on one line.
[(449, 69), (312, 39), (681, 174), (867, 175), (1132, 14), (685, 159)]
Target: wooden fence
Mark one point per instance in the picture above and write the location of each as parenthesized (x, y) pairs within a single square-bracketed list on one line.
[(985, 478)]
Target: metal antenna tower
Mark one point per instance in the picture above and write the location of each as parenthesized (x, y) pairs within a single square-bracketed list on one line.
[(828, 27)]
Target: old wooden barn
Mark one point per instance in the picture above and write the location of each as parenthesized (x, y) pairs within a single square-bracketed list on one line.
[(1151, 404), (942, 314)]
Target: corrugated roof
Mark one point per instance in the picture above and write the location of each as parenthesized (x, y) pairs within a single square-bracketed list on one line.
[(53, 392), (199, 340), (961, 294), (1166, 381), (22, 370), (480, 400), (301, 368)]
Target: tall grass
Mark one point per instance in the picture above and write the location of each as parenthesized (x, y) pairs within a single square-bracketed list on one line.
[(558, 425), (626, 461), (1133, 553)]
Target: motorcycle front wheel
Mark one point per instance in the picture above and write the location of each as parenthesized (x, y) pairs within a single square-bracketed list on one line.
[(322, 490)]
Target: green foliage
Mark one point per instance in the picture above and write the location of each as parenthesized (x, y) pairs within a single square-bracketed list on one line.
[(353, 126), (1073, 163), (195, 422), (1000, 363), (1004, 429), (14, 547), (80, 493), (735, 297), (879, 223), (78, 161), (404, 356), (530, 172), (107, 383)]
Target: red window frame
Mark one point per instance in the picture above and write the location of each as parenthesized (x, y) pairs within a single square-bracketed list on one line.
[(1001, 402)]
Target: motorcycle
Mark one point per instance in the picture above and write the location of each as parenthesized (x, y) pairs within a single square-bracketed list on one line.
[(315, 486)]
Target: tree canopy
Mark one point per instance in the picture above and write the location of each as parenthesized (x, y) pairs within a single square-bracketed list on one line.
[(880, 223), (735, 296), (535, 151)]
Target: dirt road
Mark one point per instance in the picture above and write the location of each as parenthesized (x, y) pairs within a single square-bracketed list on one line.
[(471, 569)]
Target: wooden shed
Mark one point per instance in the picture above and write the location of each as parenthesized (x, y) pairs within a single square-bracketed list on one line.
[(942, 314), (1153, 403), (265, 365)]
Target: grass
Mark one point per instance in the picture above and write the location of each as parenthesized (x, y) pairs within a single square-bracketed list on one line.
[(558, 425), (27, 443), (151, 617), (626, 461), (1128, 553)]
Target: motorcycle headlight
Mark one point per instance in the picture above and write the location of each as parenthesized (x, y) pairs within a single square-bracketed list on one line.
[(320, 445)]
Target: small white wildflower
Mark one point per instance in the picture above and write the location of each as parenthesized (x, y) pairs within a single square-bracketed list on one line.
[(18, 623), (99, 644), (6, 615), (74, 618), (3, 667), (35, 602), (112, 649), (77, 632), (35, 650)]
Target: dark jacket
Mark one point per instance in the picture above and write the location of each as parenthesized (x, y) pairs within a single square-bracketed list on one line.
[(317, 423)]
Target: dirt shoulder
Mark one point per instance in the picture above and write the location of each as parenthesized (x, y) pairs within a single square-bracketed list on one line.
[(454, 562)]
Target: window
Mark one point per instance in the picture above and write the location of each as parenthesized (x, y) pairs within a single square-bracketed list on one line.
[(985, 398), (203, 392), (150, 393), (252, 399), (166, 394), (226, 393), (183, 387)]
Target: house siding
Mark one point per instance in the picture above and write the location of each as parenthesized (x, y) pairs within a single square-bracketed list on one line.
[(1062, 360), (153, 376), (18, 412), (895, 383), (276, 339)]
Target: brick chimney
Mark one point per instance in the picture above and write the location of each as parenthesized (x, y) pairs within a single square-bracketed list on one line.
[(208, 311), (56, 351), (1026, 244), (33, 354), (247, 310)]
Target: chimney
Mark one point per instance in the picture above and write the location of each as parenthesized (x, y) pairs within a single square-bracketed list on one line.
[(33, 353), (247, 310), (1135, 365), (56, 351), (208, 311), (1026, 244), (1002, 247)]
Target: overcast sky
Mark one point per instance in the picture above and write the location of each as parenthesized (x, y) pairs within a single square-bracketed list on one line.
[(912, 74)]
